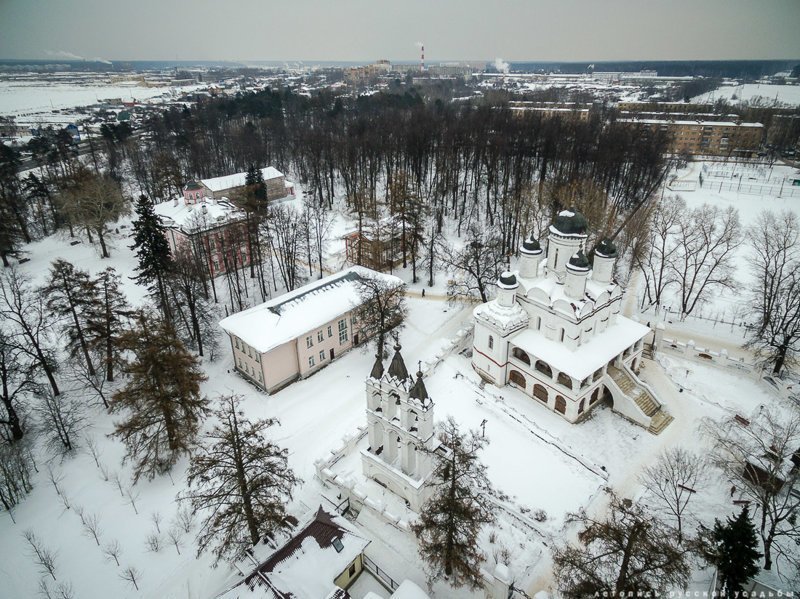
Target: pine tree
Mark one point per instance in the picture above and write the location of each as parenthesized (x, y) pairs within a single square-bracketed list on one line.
[(734, 551), (108, 319), (242, 479), (70, 294), (451, 520), (161, 403), (152, 251)]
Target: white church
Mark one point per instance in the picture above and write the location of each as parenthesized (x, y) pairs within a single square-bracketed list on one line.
[(401, 433), (555, 331)]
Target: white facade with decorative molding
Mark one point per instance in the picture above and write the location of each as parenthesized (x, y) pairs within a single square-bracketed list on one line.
[(555, 330)]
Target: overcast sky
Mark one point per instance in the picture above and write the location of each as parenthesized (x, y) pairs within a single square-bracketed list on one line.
[(365, 30)]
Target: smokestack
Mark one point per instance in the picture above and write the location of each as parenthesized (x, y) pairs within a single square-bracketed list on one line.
[(422, 57)]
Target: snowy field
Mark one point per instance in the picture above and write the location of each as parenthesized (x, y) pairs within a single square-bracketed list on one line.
[(780, 94), (29, 98)]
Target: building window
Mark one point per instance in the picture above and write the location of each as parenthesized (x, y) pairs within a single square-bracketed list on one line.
[(352, 570), (561, 404), (562, 335), (320, 336), (236, 342), (544, 368), (581, 406), (353, 318), (521, 355), (491, 342), (260, 378), (330, 331), (517, 379), (342, 331), (540, 392), (310, 361), (309, 341), (322, 356), (565, 380), (258, 357)]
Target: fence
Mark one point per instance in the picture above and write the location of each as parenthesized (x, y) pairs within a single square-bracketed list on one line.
[(781, 191), (381, 575)]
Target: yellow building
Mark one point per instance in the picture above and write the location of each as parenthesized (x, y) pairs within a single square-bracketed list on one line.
[(706, 138)]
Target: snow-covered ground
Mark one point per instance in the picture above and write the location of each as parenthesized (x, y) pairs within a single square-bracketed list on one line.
[(777, 94)]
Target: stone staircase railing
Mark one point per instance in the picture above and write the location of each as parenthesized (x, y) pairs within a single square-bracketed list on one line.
[(642, 395)]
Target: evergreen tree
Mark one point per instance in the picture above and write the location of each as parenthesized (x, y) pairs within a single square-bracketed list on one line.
[(161, 402), (734, 551), (108, 319), (629, 552), (152, 251), (451, 520), (70, 294), (242, 479)]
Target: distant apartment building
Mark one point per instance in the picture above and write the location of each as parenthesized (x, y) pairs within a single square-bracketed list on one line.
[(706, 138), (685, 107), (564, 110), (296, 334)]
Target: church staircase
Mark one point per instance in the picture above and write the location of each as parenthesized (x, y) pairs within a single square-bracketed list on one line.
[(630, 386)]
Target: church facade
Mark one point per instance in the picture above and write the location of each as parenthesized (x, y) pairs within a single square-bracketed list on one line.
[(555, 330)]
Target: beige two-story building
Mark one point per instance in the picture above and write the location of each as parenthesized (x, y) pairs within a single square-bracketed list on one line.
[(296, 334)]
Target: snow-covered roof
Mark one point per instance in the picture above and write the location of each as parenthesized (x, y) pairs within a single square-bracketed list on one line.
[(197, 217), (306, 565), (238, 179), (287, 317), (699, 123), (408, 590), (589, 356)]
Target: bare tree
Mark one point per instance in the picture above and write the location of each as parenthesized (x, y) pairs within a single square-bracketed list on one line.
[(153, 542), (131, 575), (284, 230), (29, 322), (657, 262), (61, 418), (112, 550), (672, 480), (476, 266), (91, 446), (155, 518), (773, 241), (174, 536), (132, 496), (15, 474), (707, 239), (91, 527), (44, 558), (382, 308), (17, 379), (318, 222), (760, 457)]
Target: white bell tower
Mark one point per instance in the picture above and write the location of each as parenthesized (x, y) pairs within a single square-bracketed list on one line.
[(400, 430)]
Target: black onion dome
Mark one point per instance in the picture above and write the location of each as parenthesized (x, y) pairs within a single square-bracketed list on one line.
[(531, 246), (606, 249), (507, 280), (193, 185), (579, 261), (571, 222)]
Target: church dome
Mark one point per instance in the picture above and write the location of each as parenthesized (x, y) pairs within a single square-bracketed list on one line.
[(606, 249), (531, 246), (570, 222), (578, 262), (193, 185), (508, 280)]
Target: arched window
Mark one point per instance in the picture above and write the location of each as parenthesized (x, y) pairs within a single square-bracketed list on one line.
[(595, 395), (544, 368), (565, 380), (562, 335), (521, 355), (540, 392), (491, 342), (561, 404), (516, 378), (581, 406)]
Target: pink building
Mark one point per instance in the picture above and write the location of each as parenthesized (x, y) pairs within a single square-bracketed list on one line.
[(213, 228), (298, 333)]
